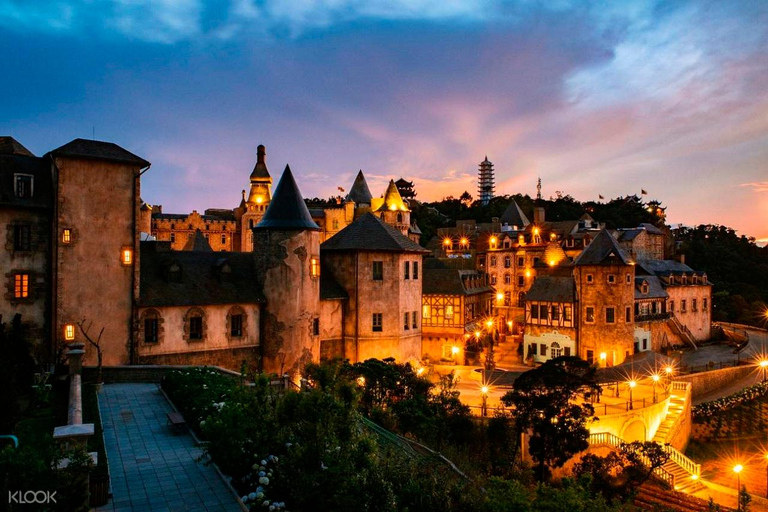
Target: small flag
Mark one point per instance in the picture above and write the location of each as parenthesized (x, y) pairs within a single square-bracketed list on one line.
[(600, 196), (341, 189), (643, 192)]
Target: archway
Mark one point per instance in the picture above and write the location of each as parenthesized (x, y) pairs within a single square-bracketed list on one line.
[(634, 430)]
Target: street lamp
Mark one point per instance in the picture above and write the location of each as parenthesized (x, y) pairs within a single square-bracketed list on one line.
[(632, 385), (655, 378), (766, 475), (484, 408), (764, 366), (737, 469)]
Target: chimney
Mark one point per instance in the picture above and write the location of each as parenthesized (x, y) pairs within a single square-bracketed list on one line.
[(538, 215), (261, 154)]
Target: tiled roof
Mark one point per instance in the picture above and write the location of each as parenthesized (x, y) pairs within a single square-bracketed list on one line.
[(514, 216), (198, 242), (604, 250), (98, 150), (655, 288), (10, 146), (38, 168), (552, 289), (445, 281), (663, 267), (287, 209), (204, 278), (369, 233), (360, 193)]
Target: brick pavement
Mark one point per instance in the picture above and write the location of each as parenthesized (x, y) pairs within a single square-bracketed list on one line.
[(152, 469)]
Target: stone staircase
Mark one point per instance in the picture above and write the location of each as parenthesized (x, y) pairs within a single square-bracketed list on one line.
[(505, 354), (683, 332)]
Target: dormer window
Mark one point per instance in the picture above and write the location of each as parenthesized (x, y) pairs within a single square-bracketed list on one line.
[(685, 279), (223, 270), (23, 184), (173, 273)]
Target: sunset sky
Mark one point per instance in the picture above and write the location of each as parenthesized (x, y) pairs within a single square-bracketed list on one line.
[(595, 98)]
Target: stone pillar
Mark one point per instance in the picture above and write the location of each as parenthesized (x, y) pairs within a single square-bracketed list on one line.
[(75, 355)]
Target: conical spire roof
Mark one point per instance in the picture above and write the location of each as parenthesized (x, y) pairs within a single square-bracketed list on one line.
[(360, 193), (260, 171), (514, 216), (197, 243), (392, 199), (287, 209)]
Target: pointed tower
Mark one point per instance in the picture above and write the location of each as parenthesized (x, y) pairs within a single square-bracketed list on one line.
[(513, 218), (257, 201), (392, 209), (287, 263), (360, 193), (486, 186)]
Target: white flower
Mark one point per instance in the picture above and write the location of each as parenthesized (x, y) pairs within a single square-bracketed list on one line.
[(264, 480), (269, 474), (259, 489), (271, 508), (263, 462), (259, 495), (255, 466), (288, 445), (261, 473), (252, 496), (244, 499), (323, 466), (265, 503), (202, 424)]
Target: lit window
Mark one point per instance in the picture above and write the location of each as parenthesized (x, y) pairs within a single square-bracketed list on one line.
[(66, 236), (426, 311), (69, 332), (507, 279), (314, 267), (126, 256), (21, 286), (449, 312)]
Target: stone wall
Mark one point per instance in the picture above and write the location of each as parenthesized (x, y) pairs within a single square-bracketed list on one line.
[(184, 228), (231, 359), (706, 382)]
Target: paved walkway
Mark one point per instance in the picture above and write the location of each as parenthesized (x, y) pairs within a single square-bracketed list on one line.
[(152, 469)]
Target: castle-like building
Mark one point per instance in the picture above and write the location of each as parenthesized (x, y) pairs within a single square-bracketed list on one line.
[(275, 284)]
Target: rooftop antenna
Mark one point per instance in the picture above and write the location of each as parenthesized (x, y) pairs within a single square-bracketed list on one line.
[(538, 190)]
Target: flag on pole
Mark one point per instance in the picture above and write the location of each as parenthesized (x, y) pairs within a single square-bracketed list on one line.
[(643, 192), (341, 189), (600, 196)]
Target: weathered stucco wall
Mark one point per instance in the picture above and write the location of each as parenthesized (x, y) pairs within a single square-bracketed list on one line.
[(699, 321), (615, 339), (282, 260), (99, 201), (216, 335), (33, 262), (331, 332)]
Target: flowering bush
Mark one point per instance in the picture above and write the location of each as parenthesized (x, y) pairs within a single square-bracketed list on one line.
[(198, 393), (746, 395)]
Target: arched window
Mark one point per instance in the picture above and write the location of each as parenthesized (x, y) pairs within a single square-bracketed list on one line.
[(151, 326), (507, 279), (399, 217), (555, 350), (194, 325), (237, 323)]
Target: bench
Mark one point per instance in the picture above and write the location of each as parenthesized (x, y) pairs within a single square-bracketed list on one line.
[(176, 421)]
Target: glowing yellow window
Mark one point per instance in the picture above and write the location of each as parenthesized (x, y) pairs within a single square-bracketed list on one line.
[(426, 311), (314, 267), (21, 286), (66, 236), (126, 256), (69, 332)]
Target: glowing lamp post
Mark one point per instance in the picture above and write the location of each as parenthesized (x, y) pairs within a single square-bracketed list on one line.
[(484, 409), (764, 367), (738, 469), (631, 385), (655, 378)]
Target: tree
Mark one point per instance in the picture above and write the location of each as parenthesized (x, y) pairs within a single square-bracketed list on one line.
[(95, 344), (545, 406)]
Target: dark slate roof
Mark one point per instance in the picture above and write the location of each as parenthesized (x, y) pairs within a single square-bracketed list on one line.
[(629, 234), (205, 278), (330, 289), (414, 229), (655, 289), (287, 209), (369, 233), (197, 243), (260, 171), (360, 193), (514, 216), (663, 267), (10, 146), (604, 250), (446, 281), (98, 150), (42, 187), (651, 228), (552, 289)]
